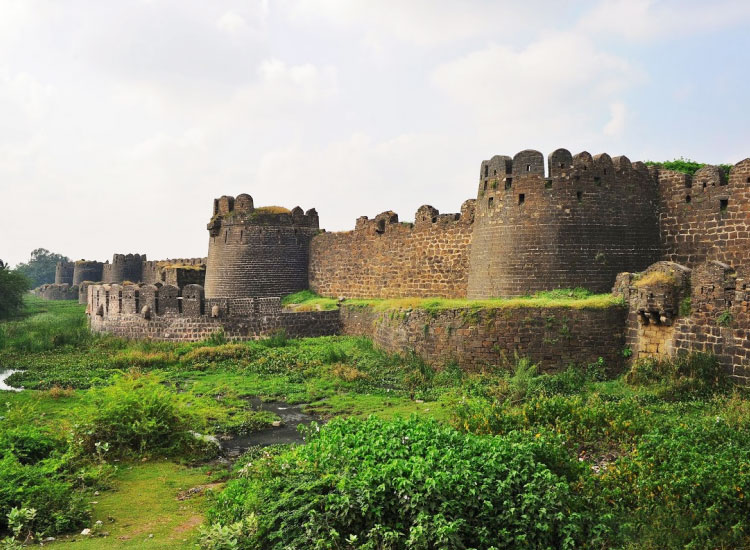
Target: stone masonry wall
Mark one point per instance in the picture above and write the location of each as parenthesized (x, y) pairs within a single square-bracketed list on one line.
[(706, 217), (383, 258), (718, 320), (64, 273), (588, 220), (57, 292), (551, 337)]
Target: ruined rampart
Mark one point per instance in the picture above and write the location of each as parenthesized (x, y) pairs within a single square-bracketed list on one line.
[(85, 270), (383, 258), (164, 312), (64, 273)]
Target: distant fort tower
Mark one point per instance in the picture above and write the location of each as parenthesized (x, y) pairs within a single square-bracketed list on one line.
[(124, 267), (64, 273), (257, 252), (585, 221), (87, 271)]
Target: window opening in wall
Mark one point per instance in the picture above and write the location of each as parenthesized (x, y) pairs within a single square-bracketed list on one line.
[(562, 165), (486, 171), (723, 204), (485, 186), (688, 198), (704, 185), (585, 167), (528, 167), (226, 234), (242, 232), (508, 168), (508, 183), (494, 172), (597, 180), (747, 180), (605, 171), (579, 196), (548, 183), (381, 226), (521, 199), (489, 202)]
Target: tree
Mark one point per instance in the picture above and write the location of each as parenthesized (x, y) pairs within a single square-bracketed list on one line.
[(40, 269), (13, 285)]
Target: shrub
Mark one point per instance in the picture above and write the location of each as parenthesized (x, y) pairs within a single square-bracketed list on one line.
[(683, 376), (409, 484), (13, 286), (685, 486), (137, 415)]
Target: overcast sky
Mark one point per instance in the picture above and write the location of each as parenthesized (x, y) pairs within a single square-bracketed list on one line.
[(121, 120)]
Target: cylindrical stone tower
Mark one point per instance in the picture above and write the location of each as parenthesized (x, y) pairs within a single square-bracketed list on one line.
[(87, 271), (64, 273), (257, 252), (125, 267), (590, 219)]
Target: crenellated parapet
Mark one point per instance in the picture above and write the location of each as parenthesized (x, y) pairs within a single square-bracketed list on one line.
[(572, 221), (256, 252), (124, 267)]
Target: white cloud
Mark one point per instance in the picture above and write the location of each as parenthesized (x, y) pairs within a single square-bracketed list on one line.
[(551, 89), (232, 23), (648, 19), (616, 124)]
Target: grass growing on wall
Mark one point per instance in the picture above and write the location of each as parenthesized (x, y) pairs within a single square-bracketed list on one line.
[(577, 298)]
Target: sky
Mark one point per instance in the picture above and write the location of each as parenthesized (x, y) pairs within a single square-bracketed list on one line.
[(122, 120)]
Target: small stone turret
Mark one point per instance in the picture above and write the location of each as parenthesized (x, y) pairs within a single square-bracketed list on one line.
[(86, 270), (257, 252), (124, 267)]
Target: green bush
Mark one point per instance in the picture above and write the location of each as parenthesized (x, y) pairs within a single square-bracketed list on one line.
[(137, 415), (409, 484), (686, 486), (13, 286), (680, 377), (36, 472)]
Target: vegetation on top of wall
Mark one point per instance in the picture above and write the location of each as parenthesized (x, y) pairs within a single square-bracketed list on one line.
[(656, 278), (687, 166), (577, 298)]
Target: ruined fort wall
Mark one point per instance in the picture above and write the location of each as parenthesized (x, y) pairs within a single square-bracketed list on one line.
[(705, 216), (155, 271), (124, 267), (88, 271), (710, 315), (551, 337), (383, 258), (64, 273), (186, 315), (587, 220), (62, 291)]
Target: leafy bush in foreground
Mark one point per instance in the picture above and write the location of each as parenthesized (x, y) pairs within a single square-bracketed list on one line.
[(684, 376), (137, 415), (13, 286), (409, 484)]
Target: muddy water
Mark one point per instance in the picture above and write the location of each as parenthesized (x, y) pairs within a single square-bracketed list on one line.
[(291, 417), (4, 375)]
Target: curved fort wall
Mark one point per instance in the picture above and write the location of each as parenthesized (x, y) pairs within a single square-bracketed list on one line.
[(87, 271), (256, 252), (64, 273), (124, 267), (383, 258), (588, 220)]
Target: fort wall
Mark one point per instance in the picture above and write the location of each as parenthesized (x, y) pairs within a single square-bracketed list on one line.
[(383, 258), (64, 273), (124, 267), (552, 337), (706, 216), (586, 221), (88, 271), (62, 291), (164, 312), (255, 252), (706, 309)]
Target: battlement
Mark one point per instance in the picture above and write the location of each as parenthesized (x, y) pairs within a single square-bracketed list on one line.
[(426, 217), (229, 211), (124, 267)]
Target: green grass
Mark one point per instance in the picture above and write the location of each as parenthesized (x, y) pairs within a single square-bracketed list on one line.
[(562, 298), (143, 503)]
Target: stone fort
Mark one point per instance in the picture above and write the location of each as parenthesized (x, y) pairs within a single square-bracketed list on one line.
[(675, 248)]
